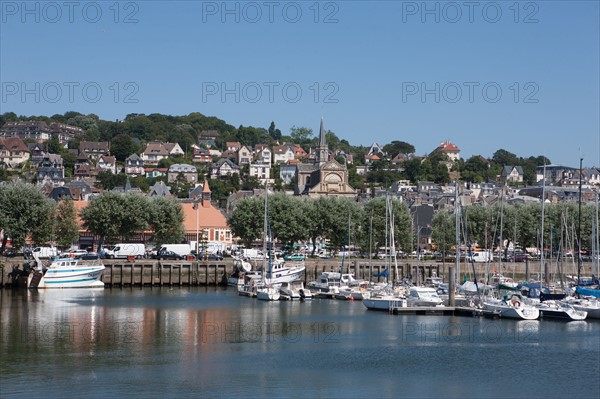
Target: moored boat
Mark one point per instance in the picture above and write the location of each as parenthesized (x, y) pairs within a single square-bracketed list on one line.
[(515, 308), (67, 273)]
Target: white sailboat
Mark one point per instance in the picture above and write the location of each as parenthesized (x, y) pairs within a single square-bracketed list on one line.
[(268, 291)]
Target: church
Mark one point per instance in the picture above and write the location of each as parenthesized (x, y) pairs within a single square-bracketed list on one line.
[(323, 176)]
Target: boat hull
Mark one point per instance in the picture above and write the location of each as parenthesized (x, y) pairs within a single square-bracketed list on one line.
[(510, 312), (75, 277)]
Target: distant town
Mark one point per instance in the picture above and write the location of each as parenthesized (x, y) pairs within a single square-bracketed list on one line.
[(78, 156)]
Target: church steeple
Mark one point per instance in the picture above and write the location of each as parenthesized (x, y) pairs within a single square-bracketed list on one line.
[(206, 194), (322, 150)]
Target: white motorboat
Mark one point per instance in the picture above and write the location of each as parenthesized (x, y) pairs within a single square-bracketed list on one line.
[(325, 282), (423, 296), (591, 306), (268, 292), (351, 293), (515, 308), (560, 310), (67, 273), (280, 273), (294, 291)]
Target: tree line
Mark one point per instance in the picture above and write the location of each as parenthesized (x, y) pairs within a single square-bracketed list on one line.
[(26, 213)]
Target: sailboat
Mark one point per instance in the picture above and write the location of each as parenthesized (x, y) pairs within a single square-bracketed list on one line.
[(268, 291)]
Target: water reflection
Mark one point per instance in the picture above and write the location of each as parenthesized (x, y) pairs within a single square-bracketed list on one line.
[(211, 342)]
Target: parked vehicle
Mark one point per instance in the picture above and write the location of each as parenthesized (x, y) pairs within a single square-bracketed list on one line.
[(45, 252), (89, 256), (125, 250), (296, 256), (170, 255), (73, 253), (181, 249), (210, 256)]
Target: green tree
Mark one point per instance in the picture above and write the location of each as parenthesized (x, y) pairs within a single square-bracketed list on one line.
[(24, 211), (122, 146), (274, 132), (443, 231), (166, 220), (67, 230), (246, 220), (114, 216), (287, 219), (398, 147), (301, 135)]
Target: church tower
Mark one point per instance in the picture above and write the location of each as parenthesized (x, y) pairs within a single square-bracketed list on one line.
[(322, 149)]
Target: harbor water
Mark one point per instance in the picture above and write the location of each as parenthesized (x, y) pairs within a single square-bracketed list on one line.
[(209, 342)]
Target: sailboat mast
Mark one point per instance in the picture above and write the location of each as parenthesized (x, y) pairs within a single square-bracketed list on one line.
[(579, 225), (457, 230), (542, 232), (265, 233)]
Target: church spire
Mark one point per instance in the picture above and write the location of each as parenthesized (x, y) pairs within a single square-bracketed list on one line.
[(322, 150)]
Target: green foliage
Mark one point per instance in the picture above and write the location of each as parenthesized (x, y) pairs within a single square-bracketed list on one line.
[(122, 146), (375, 210), (166, 220), (443, 231), (398, 147), (301, 135), (246, 220), (25, 211), (274, 132), (67, 230)]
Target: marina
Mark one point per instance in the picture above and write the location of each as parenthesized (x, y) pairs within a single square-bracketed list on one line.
[(210, 342)]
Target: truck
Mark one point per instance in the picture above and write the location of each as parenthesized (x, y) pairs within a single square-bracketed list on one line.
[(125, 250), (180, 249)]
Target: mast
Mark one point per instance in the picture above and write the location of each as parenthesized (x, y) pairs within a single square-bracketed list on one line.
[(542, 232), (266, 235), (579, 225), (457, 230)]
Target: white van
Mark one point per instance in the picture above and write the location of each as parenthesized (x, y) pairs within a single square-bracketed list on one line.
[(125, 250), (45, 252), (179, 249)]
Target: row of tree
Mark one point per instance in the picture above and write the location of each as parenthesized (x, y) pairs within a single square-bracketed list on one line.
[(25, 212), (294, 219), (519, 223)]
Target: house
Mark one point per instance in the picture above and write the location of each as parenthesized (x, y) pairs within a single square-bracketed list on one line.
[(80, 190), (34, 130), (201, 219), (127, 188), (84, 168), (108, 163), (348, 157), (223, 167), (134, 166), (208, 138), (231, 155), (262, 171), (299, 152), (376, 149), (201, 155), (592, 175), (513, 174), (262, 154), (160, 189), (156, 151), (287, 172), (13, 152), (51, 171), (244, 155), (233, 146), (370, 158), (553, 174), (401, 158), (152, 173), (282, 154), (427, 186), (37, 153), (449, 149), (189, 173), (94, 149)]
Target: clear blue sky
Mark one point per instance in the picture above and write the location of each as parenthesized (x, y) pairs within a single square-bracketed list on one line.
[(363, 65)]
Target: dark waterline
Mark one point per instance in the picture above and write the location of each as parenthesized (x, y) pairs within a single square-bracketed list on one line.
[(198, 342)]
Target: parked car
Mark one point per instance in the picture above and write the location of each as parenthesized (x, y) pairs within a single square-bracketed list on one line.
[(89, 256), (170, 255), (203, 256), (296, 256)]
